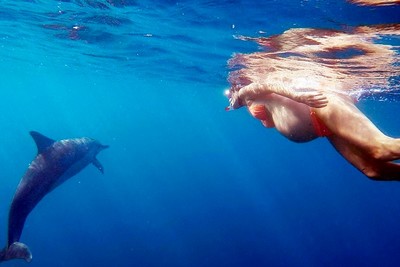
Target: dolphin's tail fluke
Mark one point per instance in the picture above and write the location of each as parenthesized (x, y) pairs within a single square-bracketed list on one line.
[(16, 250)]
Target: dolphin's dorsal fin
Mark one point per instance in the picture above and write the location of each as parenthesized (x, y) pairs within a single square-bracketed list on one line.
[(42, 142)]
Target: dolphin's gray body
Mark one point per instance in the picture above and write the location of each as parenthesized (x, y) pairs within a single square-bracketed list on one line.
[(55, 162)]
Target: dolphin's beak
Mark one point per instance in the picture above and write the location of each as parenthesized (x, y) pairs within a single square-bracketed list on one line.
[(104, 147)]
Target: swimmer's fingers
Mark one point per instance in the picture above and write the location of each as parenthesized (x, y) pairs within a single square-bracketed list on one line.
[(319, 100), (314, 99)]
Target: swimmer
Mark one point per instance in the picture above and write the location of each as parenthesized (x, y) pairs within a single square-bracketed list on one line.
[(303, 106)]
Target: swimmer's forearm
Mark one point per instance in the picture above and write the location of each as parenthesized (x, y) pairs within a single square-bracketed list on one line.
[(281, 89), (258, 91)]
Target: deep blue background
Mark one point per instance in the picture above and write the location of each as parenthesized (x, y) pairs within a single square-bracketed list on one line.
[(185, 183)]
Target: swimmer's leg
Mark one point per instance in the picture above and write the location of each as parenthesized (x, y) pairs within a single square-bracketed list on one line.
[(374, 169), (344, 119)]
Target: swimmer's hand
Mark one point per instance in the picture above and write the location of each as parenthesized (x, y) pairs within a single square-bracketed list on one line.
[(311, 98)]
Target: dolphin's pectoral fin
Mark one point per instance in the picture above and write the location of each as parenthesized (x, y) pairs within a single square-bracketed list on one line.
[(98, 165), (42, 142)]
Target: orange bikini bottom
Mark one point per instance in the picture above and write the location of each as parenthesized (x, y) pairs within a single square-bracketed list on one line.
[(320, 128)]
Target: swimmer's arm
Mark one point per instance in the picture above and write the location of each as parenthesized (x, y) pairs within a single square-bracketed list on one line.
[(258, 91)]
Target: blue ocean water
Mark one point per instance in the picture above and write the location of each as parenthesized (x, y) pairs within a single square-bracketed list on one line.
[(185, 183)]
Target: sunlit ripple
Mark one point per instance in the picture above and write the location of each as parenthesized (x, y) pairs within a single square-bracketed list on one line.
[(359, 61)]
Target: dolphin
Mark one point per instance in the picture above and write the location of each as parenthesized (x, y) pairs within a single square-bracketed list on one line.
[(55, 162)]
